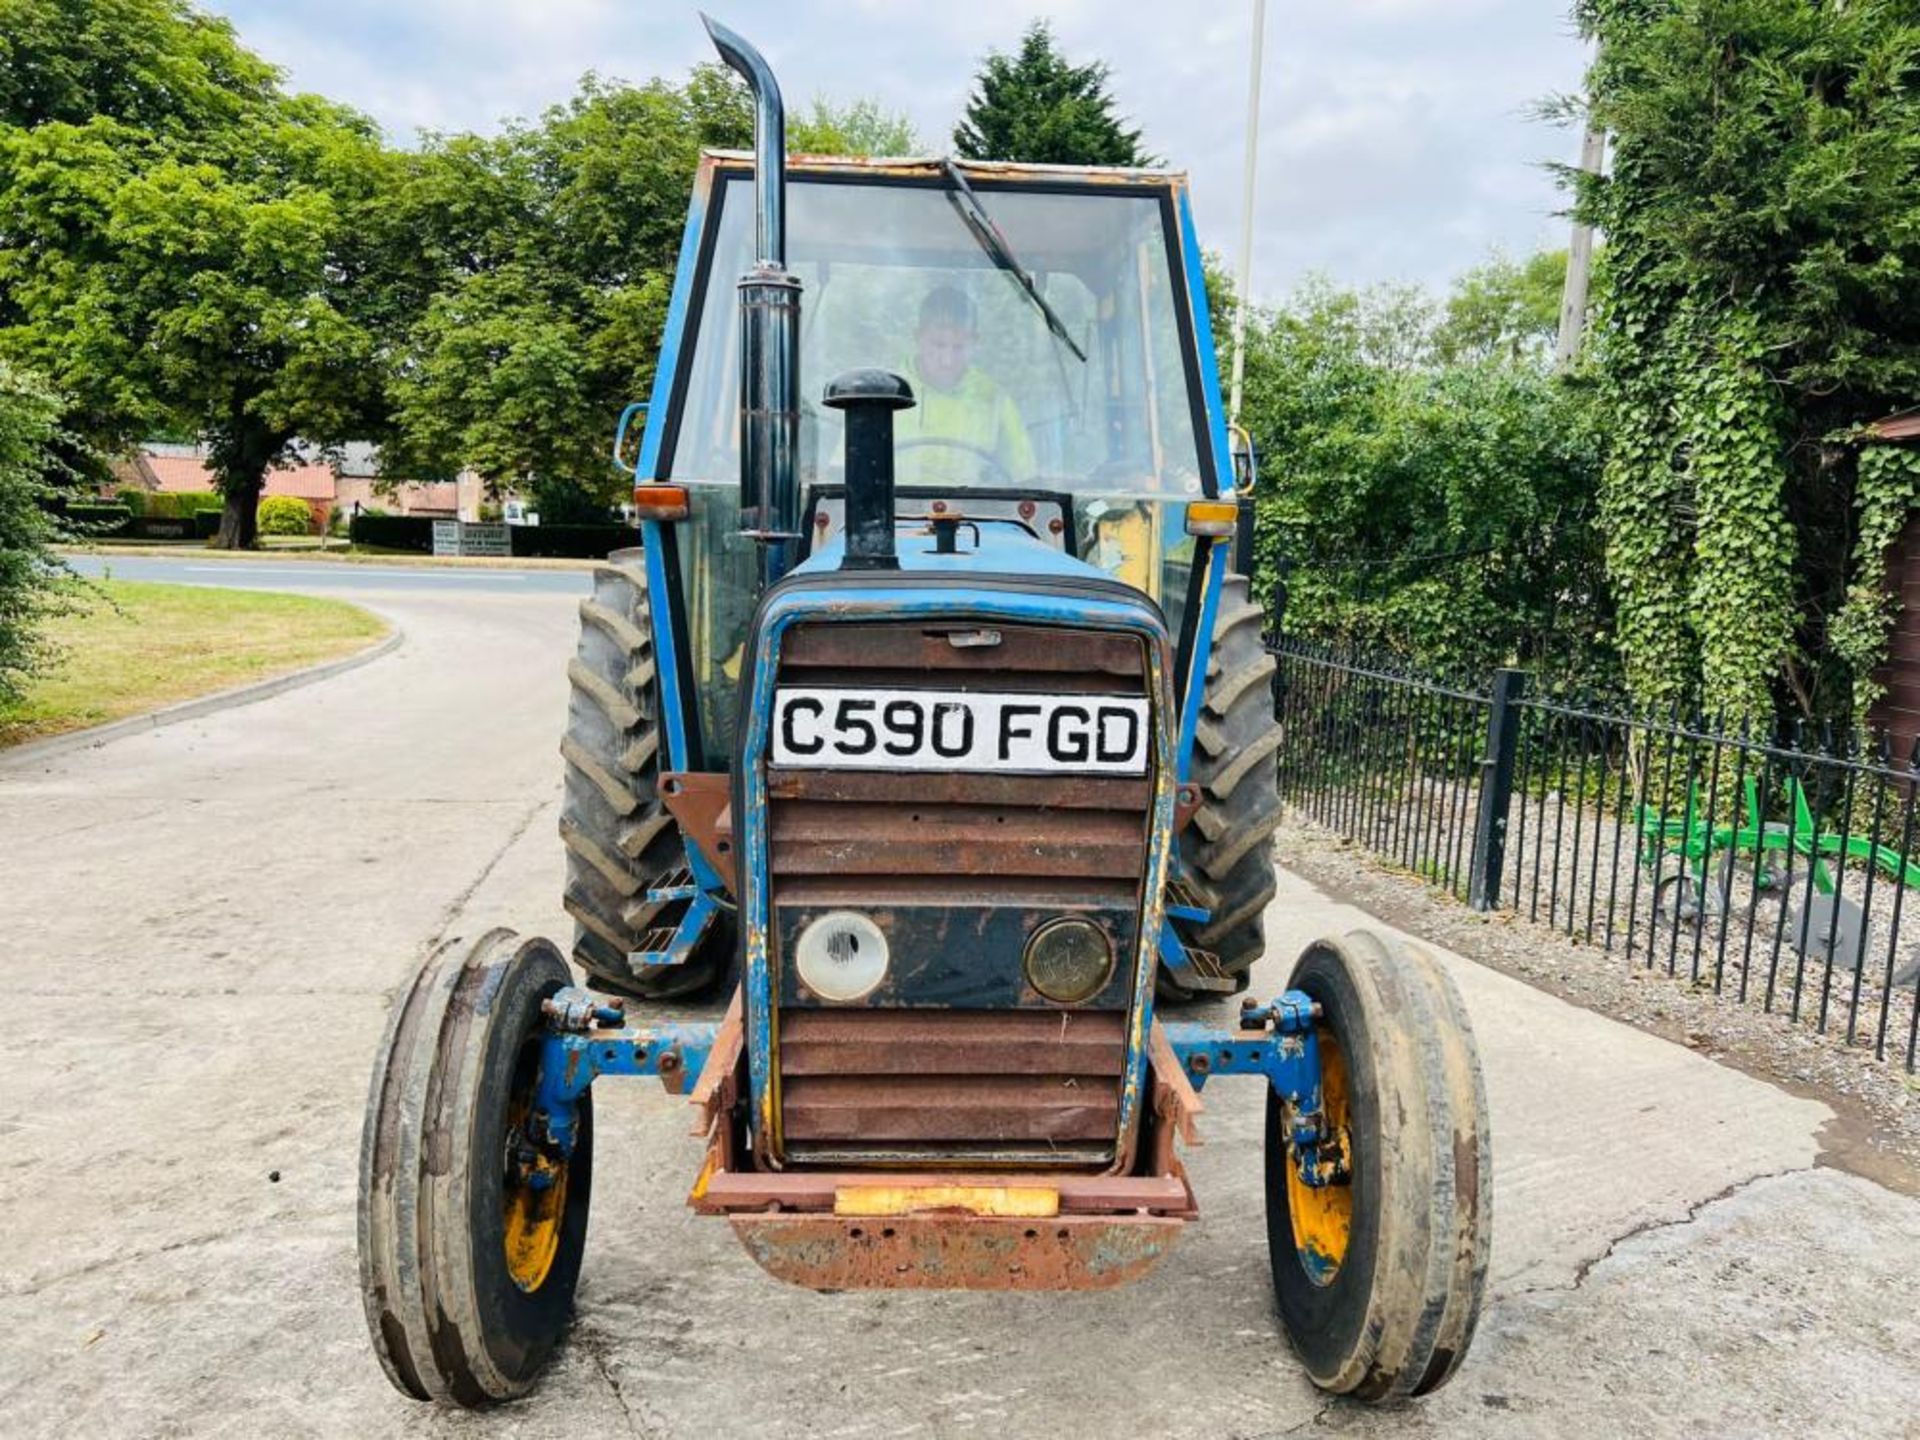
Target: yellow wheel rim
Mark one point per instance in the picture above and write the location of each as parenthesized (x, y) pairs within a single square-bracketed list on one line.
[(1322, 1215), (533, 1213)]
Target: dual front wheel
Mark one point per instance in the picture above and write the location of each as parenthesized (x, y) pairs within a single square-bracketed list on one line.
[(1378, 1276), (471, 1231)]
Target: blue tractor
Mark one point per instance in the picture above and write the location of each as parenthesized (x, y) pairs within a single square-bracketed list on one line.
[(930, 729)]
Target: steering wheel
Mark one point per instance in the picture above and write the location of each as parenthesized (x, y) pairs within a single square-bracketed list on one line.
[(922, 441)]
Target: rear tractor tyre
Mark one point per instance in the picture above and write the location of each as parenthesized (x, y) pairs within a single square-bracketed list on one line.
[(468, 1271), (621, 840), (1228, 846), (1379, 1278)]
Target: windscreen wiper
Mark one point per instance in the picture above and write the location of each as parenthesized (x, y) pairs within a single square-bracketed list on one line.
[(981, 226)]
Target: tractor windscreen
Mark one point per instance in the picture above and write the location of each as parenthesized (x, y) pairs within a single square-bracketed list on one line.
[(1088, 391), (1092, 393)]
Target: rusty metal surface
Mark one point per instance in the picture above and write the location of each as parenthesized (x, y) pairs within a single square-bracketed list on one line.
[(1080, 1193), (722, 1061), (945, 1042), (956, 787), (700, 802), (858, 1080), (818, 838), (1115, 177), (1186, 804), (984, 1108), (1029, 891), (917, 649), (1174, 1096), (964, 1252)]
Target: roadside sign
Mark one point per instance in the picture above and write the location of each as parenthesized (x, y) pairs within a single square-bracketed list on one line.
[(484, 540), (456, 537)]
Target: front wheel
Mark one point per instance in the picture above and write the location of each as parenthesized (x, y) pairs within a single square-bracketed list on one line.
[(1379, 1274), (471, 1231)]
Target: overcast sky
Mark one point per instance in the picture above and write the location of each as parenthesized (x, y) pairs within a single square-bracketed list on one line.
[(1396, 140)]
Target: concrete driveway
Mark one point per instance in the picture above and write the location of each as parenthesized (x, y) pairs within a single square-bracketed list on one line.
[(200, 928)]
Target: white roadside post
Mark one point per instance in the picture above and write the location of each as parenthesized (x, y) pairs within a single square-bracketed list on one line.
[(1242, 296)]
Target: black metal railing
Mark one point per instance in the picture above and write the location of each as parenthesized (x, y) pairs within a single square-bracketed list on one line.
[(1774, 869)]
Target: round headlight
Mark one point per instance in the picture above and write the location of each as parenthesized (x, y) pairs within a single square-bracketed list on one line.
[(841, 956), (1069, 960)]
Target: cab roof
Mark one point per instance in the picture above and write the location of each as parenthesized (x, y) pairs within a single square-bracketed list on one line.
[(933, 167)]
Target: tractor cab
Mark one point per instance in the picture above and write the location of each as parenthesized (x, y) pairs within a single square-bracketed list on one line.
[(1044, 319)]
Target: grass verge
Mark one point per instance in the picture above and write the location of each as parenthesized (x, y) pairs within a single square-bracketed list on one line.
[(130, 647)]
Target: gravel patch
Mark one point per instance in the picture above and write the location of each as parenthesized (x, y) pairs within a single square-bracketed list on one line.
[(1877, 1132)]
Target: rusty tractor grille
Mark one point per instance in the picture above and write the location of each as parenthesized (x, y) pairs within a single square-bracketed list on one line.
[(931, 1069), (873, 1085), (948, 831)]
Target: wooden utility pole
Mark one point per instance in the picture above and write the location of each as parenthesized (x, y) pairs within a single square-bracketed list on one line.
[(1573, 299)]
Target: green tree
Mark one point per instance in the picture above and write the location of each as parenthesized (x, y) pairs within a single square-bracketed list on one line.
[(1037, 106), (1432, 509), (156, 67), (1760, 302), (551, 249), (862, 128), (29, 572), (1504, 310), (187, 248)]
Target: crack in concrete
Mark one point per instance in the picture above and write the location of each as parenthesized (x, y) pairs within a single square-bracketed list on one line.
[(1310, 1423), (28, 841), (1586, 1267), (451, 914), (110, 1262), (591, 1346)]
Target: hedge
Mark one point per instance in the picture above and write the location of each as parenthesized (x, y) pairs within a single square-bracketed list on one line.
[(169, 504), (96, 519), (172, 504), (571, 542), (392, 532)]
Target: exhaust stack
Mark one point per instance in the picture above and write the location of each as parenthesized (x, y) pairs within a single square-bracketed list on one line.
[(769, 327), (869, 398)]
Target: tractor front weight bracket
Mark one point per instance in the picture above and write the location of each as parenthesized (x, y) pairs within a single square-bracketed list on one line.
[(1277, 1041), (582, 1043)]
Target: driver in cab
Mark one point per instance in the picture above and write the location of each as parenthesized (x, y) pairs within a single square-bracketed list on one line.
[(964, 430)]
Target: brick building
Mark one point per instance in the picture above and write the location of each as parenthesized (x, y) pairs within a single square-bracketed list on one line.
[(351, 477)]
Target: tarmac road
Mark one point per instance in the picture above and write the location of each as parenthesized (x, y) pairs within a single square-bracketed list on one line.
[(318, 577), (200, 928)]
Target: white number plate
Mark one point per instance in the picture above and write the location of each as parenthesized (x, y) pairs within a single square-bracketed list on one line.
[(844, 729)]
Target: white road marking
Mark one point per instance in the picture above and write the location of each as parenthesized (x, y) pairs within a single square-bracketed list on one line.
[(354, 570)]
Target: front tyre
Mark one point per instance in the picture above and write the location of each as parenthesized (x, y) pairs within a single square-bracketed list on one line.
[(467, 1265), (1379, 1277)]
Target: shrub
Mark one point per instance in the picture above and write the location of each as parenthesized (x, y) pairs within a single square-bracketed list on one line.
[(96, 518), (29, 572), (134, 500), (285, 515)]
